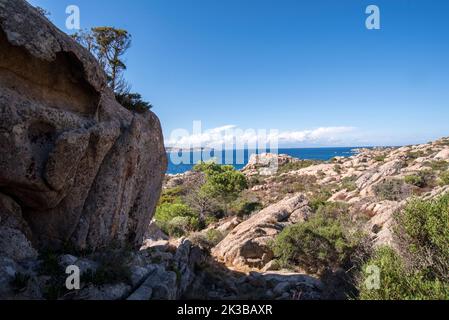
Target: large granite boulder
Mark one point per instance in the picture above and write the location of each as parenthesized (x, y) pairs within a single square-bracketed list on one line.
[(248, 244), (75, 166)]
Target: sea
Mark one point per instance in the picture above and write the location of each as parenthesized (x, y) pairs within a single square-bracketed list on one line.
[(180, 163)]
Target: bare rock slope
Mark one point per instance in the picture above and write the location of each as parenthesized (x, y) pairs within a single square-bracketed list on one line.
[(75, 166)]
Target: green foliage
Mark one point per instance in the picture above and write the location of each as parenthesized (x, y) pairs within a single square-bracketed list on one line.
[(214, 236), (391, 189), (109, 45), (398, 283), (222, 182), (319, 199), (172, 195), (255, 180), (176, 219), (338, 169), (412, 155), (207, 240), (43, 11), (444, 179), (319, 244), (420, 269), (424, 227), (443, 142), (380, 158), (415, 180), (335, 210), (133, 102), (348, 183), (244, 207), (438, 165), (297, 165), (422, 179), (294, 184)]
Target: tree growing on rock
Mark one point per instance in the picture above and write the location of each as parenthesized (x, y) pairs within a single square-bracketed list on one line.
[(109, 45)]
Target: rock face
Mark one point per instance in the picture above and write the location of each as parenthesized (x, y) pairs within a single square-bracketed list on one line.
[(247, 244), (75, 166), (266, 164)]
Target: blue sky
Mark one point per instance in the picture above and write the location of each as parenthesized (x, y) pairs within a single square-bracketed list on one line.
[(309, 69)]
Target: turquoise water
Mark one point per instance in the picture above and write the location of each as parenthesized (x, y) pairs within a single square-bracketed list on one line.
[(303, 153)]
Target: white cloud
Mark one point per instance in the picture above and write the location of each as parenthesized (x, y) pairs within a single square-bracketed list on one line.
[(229, 133)]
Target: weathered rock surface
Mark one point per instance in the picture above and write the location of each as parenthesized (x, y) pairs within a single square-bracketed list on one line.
[(266, 163), (75, 166), (247, 244)]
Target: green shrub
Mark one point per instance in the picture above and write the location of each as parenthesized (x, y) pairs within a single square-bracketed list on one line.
[(348, 183), (244, 207), (214, 236), (338, 169), (207, 240), (172, 195), (391, 189), (176, 219), (380, 158), (420, 268), (223, 183), (423, 229), (316, 245), (412, 155), (415, 180), (443, 142), (396, 282), (319, 199), (438, 165), (180, 226), (444, 179), (298, 165)]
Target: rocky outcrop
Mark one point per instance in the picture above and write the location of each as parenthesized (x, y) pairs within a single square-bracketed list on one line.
[(76, 167), (266, 164), (247, 244)]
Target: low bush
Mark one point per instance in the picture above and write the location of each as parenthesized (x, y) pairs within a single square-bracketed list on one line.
[(392, 189), (415, 180), (348, 183), (338, 168), (396, 282), (412, 155), (423, 232), (297, 165), (207, 240), (319, 244), (176, 219), (444, 179), (380, 158), (244, 207), (438, 165), (172, 195), (319, 199), (419, 269)]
